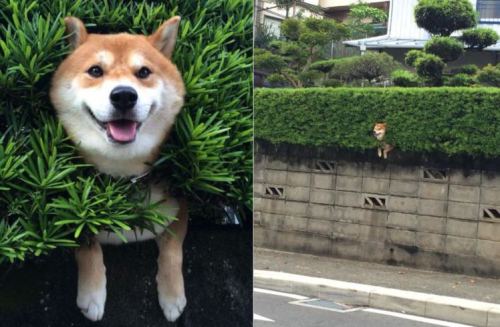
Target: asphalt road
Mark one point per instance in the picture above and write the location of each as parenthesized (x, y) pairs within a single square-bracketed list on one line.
[(271, 310)]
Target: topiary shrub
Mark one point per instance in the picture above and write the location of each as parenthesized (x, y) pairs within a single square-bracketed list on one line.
[(372, 65), (430, 67), (460, 80), (443, 17), (48, 198), (404, 78), (324, 66), (490, 75), (466, 69), (479, 38), (412, 56), (447, 48)]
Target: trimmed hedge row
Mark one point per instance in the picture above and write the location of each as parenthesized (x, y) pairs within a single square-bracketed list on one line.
[(454, 121)]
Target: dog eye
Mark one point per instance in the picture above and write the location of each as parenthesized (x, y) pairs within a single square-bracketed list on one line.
[(143, 73), (95, 71)]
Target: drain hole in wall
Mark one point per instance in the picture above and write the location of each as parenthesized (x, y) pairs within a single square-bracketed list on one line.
[(324, 166), (435, 174), (275, 191), (375, 202), (491, 213)]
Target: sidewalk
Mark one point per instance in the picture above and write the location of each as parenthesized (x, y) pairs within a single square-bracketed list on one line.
[(458, 298)]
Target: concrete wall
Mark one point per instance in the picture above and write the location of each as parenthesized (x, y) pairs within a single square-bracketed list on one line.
[(377, 210)]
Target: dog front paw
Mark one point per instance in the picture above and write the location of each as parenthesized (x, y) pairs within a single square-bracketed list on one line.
[(91, 302), (172, 307)]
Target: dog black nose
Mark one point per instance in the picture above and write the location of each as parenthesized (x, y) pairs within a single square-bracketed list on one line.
[(123, 97)]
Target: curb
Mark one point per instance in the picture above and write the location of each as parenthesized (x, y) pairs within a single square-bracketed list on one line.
[(458, 310)]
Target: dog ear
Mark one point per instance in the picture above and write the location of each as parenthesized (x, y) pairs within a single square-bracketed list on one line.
[(165, 36), (76, 31)]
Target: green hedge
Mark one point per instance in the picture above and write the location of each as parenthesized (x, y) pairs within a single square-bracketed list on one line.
[(48, 198), (453, 121)]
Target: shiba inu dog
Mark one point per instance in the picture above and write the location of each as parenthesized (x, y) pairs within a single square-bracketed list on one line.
[(379, 131), (117, 97)]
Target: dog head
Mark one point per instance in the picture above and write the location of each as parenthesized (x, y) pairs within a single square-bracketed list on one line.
[(379, 131), (118, 95)]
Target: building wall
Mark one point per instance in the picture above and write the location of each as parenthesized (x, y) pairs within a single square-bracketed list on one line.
[(417, 215)]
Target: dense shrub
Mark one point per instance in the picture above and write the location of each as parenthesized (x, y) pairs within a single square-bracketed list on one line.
[(430, 67), (48, 199), (324, 66), (460, 80), (490, 75), (479, 38), (446, 48), (404, 78), (466, 69), (453, 121), (332, 82), (373, 65), (443, 17), (412, 56)]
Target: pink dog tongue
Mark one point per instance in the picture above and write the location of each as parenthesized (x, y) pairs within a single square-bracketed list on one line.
[(122, 130)]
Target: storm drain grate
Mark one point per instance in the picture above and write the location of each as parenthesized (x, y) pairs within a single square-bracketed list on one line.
[(324, 166), (435, 174), (375, 202), (325, 305), (491, 213), (275, 191)]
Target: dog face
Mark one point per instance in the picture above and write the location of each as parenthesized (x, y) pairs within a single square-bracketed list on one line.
[(118, 95), (379, 131)]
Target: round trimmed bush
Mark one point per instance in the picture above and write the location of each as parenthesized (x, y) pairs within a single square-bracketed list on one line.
[(490, 75), (479, 38), (404, 78), (412, 56), (447, 48), (443, 17), (430, 67), (460, 80), (324, 66)]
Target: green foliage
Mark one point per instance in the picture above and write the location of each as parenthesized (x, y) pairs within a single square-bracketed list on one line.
[(361, 18), (447, 48), (48, 197), (490, 75), (466, 69), (324, 66), (264, 59), (290, 28), (479, 38), (443, 17), (460, 80), (430, 68), (420, 121), (370, 66), (412, 56), (332, 82), (404, 78)]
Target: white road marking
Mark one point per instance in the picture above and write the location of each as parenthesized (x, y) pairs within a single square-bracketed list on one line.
[(288, 295), (305, 303), (416, 318), (261, 318)]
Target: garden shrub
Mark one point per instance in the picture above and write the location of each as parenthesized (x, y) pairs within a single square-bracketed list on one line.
[(48, 197), (443, 17), (430, 67), (453, 121), (466, 69), (332, 82), (412, 56), (404, 78), (324, 66), (460, 80), (446, 48), (490, 75), (373, 65), (479, 38)]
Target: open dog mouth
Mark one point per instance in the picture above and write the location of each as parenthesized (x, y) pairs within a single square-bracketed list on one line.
[(121, 131)]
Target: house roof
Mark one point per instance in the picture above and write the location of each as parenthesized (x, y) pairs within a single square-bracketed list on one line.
[(403, 32)]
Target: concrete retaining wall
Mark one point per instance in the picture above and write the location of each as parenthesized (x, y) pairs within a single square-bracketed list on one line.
[(377, 210)]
